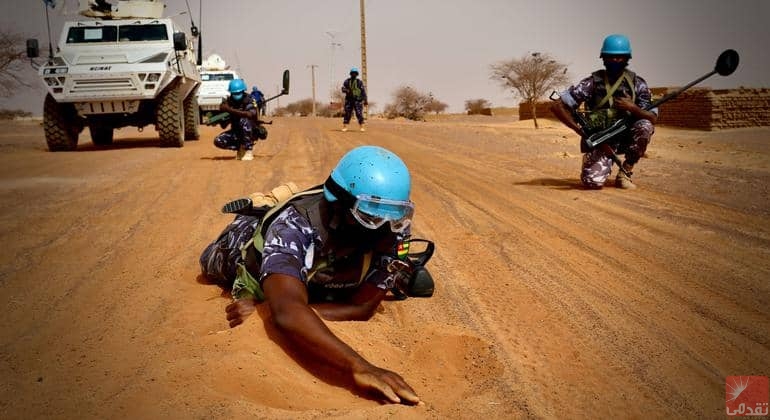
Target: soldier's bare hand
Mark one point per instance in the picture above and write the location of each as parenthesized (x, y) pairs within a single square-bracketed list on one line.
[(625, 103), (389, 384), (239, 310)]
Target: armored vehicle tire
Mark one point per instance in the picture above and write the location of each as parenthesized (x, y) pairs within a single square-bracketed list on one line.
[(191, 117), (169, 118), (60, 123), (101, 134)]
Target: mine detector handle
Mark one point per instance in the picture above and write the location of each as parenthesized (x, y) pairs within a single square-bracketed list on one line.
[(223, 117), (284, 89), (726, 64)]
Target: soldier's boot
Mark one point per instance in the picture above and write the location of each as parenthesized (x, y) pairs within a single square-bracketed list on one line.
[(362, 128), (239, 206), (248, 155), (624, 181), (344, 127)]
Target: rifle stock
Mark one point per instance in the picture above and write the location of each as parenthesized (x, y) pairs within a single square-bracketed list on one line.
[(219, 118)]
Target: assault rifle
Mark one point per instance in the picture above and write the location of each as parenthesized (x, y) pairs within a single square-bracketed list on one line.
[(726, 64)]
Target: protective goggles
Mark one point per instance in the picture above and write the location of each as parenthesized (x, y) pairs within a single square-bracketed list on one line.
[(373, 212)]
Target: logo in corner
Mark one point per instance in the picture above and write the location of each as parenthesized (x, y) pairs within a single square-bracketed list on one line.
[(747, 396)]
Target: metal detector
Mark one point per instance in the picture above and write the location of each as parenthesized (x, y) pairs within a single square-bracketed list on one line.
[(726, 64)]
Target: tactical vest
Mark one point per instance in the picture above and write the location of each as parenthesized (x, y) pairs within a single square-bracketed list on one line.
[(601, 113), (331, 256), (355, 89)]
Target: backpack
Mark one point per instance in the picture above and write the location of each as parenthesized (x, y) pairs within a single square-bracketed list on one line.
[(260, 209)]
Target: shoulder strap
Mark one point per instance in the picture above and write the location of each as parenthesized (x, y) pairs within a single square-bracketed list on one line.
[(631, 79), (259, 240), (628, 76)]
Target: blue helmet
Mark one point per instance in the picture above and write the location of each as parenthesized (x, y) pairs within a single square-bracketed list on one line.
[(354, 70), (236, 85), (373, 180), (254, 89), (616, 44)]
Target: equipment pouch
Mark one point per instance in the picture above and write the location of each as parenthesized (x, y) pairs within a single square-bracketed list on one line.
[(600, 119), (246, 286)]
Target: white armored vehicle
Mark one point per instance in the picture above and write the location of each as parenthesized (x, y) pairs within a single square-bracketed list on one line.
[(215, 78), (126, 67)]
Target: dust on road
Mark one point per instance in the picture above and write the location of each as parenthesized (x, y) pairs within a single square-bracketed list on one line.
[(551, 301)]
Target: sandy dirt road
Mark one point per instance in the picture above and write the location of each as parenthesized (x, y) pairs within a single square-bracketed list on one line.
[(551, 301)]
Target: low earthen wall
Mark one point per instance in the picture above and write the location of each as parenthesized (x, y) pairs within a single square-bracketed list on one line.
[(543, 110), (698, 108)]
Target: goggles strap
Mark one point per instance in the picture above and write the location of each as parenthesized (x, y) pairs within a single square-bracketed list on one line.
[(343, 195)]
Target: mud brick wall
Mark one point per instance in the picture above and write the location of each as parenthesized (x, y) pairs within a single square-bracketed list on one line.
[(707, 109), (698, 108), (543, 110), (693, 109)]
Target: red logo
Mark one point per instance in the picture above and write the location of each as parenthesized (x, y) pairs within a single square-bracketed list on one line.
[(747, 396)]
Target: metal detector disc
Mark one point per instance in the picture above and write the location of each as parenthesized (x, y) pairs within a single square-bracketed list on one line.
[(285, 90), (727, 62)]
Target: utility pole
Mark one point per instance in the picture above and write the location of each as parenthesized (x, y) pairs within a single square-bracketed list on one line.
[(332, 83), (312, 78), (363, 53)]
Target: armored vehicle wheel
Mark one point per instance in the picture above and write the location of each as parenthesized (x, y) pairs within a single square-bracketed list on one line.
[(60, 122), (191, 117), (101, 134), (169, 119)]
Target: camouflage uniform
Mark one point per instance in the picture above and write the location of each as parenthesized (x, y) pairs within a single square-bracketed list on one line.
[(243, 131), (353, 102), (293, 247), (597, 166), (220, 259)]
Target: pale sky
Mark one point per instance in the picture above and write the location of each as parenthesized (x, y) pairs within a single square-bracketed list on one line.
[(446, 46)]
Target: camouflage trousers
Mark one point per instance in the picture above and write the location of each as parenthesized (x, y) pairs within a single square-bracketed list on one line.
[(350, 106), (220, 259), (235, 139), (597, 166)]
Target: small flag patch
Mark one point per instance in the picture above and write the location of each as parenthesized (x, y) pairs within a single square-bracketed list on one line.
[(403, 249)]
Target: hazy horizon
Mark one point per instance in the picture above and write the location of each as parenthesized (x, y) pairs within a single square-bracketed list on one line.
[(444, 47)]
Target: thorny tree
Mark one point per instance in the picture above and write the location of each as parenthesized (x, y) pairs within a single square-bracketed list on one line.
[(436, 106), (11, 55), (531, 77), (477, 106), (408, 103)]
